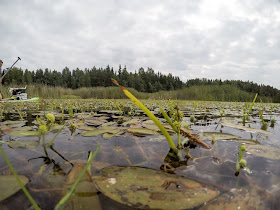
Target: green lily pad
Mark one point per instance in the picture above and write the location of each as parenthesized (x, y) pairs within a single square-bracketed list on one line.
[(152, 189), (130, 122), (264, 151), (85, 127), (9, 185), (14, 124), (107, 129), (217, 136), (56, 127), (29, 144), (19, 133), (94, 122), (143, 131), (241, 127), (111, 135)]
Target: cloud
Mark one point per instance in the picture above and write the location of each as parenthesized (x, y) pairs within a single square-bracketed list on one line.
[(214, 39)]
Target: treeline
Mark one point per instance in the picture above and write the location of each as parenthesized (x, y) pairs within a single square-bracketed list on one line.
[(247, 86), (142, 81), (145, 81)]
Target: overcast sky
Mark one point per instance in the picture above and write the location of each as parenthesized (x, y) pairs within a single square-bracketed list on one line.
[(190, 39)]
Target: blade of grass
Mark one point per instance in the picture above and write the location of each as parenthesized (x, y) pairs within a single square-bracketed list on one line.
[(18, 180), (247, 116), (67, 196), (148, 113)]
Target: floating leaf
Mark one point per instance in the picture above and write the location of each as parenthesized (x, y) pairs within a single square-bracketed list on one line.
[(218, 136), (246, 141), (94, 122), (152, 189), (241, 127), (107, 129), (85, 127), (20, 133), (143, 131), (264, 151), (10, 186), (108, 124), (29, 144), (74, 173), (132, 121), (111, 135), (56, 127)]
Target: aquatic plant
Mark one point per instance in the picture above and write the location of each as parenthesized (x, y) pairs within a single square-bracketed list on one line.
[(148, 113), (241, 163), (264, 124), (86, 168), (246, 116)]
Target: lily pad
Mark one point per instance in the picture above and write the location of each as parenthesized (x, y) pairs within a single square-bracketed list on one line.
[(152, 189), (9, 185), (241, 127), (94, 122), (143, 131), (107, 129), (111, 135), (264, 151), (132, 121), (217, 136), (30, 144), (20, 133)]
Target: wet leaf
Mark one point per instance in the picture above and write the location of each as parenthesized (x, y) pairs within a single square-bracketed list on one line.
[(246, 141), (264, 151), (241, 127), (217, 136), (56, 127), (20, 133), (85, 195), (131, 122), (143, 131), (29, 144), (85, 127), (74, 173), (107, 129), (9, 185), (94, 122), (152, 189), (111, 135)]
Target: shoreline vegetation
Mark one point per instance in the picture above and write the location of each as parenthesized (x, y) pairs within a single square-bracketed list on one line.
[(225, 93), (96, 83)]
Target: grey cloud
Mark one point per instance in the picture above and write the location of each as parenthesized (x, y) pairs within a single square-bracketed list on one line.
[(229, 40)]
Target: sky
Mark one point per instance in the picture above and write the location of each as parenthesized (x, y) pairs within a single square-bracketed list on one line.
[(214, 39)]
